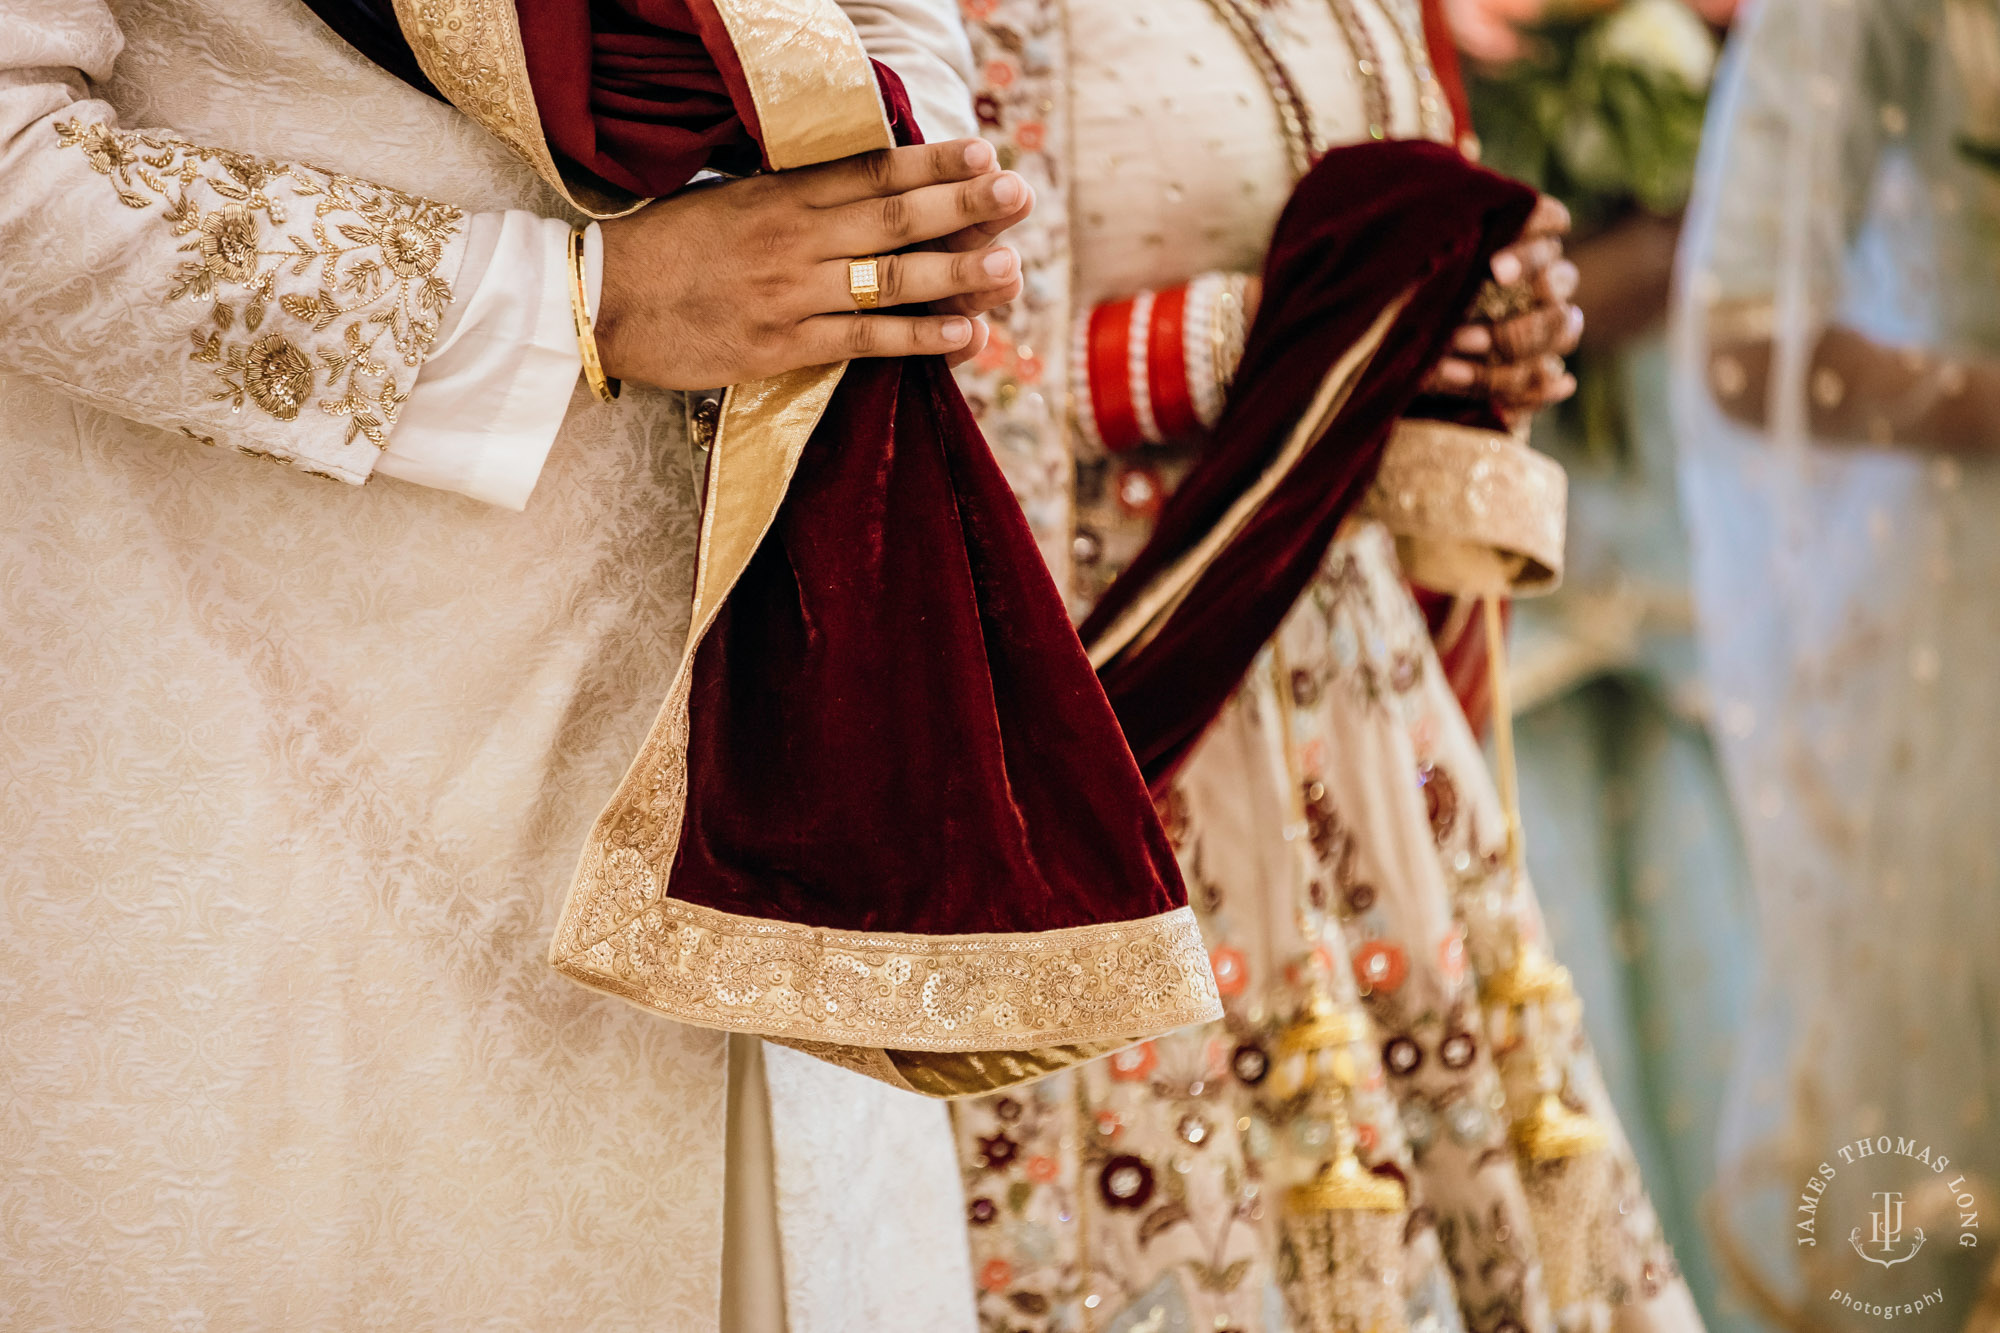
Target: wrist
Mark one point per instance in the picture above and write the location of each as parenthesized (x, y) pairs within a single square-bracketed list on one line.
[(611, 305)]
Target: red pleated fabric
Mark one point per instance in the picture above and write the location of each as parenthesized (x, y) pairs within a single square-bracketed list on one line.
[(1460, 638)]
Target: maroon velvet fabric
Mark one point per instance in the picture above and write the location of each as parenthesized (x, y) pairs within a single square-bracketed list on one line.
[(892, 724), (1366, 225), (633, 92)]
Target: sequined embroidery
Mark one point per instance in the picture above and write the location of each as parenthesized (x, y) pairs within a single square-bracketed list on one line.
[(471, 49), (315, 300), (874, 990), (1441, 487)]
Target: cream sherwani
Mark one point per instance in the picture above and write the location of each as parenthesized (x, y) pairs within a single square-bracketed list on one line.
[(293, 773)]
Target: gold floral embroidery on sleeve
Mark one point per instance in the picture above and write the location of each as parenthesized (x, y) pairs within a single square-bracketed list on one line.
[(364, 270)]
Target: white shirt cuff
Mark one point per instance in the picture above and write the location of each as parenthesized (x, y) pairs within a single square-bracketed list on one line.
[(488, 402)]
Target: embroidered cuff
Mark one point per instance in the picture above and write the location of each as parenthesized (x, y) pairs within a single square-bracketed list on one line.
[(489, 401), (308, 292)]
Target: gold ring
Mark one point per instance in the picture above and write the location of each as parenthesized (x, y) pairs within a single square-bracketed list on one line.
[(864, 282)]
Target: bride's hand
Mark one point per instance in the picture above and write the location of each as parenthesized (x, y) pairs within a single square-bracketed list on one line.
[(749, 279), (1517, 362)]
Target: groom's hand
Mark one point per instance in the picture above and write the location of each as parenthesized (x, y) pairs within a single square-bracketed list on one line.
[(748, 279)]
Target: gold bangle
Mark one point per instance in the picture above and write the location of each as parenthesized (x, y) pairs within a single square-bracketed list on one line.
[(586, 331)]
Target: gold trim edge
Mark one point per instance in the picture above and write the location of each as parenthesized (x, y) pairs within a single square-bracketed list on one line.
[(1118, 981), (1469, 505), (809, 76)]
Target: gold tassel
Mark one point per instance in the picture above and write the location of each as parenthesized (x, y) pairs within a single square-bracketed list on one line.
[(1562, 1152), (1337, 1287), (1343, 1227), (1341, 1258)]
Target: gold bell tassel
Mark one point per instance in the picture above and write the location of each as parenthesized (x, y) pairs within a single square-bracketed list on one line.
[(1343, 1226), (1563, 1161)]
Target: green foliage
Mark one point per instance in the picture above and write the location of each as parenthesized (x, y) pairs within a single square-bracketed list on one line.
[(1604, 112)]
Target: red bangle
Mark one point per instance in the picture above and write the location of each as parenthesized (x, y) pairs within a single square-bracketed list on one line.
[(1152, 369), (1166, 366), (1110, 377)]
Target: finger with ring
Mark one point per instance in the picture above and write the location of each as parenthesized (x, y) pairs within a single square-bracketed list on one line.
[(915, 278)]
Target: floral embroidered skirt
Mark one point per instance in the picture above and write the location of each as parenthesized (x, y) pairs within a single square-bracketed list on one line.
[(1344, 846)]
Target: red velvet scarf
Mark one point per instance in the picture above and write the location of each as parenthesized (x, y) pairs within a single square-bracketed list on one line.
[(1367, 226), (893, 726)]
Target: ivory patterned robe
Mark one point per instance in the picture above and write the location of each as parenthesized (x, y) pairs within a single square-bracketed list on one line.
[(293, 774)]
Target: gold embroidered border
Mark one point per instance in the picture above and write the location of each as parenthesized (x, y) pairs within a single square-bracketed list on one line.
[(759, 437), (471, 49), (903, 992), (953, 1074), (1473, 511)]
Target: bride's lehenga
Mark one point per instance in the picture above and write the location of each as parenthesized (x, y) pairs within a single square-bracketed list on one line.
[(1337, 827)]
